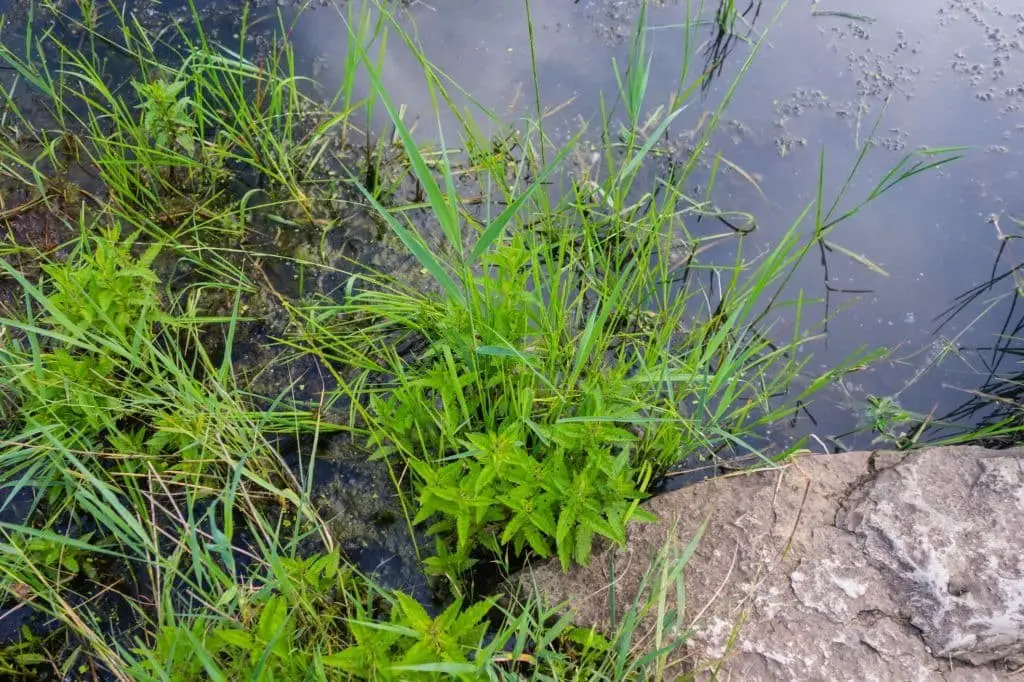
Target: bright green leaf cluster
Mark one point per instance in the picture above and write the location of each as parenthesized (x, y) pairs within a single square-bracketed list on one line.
[(498, 494), (167, 115), (414, 646), (104, 287), (100, 292), (521, 435), (315, 619)]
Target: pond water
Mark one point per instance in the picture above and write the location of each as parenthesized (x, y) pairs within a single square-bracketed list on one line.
[(950, 71)]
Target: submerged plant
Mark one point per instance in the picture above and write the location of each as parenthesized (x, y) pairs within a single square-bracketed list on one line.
[(889, 420)]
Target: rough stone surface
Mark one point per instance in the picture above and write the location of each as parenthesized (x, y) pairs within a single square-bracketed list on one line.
[(863, 566)]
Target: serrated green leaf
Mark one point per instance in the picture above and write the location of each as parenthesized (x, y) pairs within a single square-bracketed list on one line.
[(538, 542), (352, 660), (462, 522), (544, 519), (472, 617), (565, 552), (566, 520), (583, 542), (413, 612), (588, 638), (642, 515)]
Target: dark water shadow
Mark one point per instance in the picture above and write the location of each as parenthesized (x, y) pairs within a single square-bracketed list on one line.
[(726, 37), (994, 411)]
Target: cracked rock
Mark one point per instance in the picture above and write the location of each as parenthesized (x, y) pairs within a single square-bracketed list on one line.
[(862, 566), (943, 528)]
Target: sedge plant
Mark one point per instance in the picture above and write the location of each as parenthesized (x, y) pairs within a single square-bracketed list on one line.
[(567, 351)]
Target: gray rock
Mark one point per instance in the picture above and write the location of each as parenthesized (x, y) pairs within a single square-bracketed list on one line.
[(945, 529), (860, 567)]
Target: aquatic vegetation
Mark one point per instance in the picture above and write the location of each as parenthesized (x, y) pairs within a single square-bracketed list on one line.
[(167, 114), (568, 352), (317, 619), (991, 415), (559, 345), (890, 420), (317, 615)]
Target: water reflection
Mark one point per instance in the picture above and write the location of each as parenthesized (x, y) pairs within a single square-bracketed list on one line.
[(996, 407), (726, 35)]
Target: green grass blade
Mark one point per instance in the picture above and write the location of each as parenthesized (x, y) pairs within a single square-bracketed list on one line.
[(498, 224)]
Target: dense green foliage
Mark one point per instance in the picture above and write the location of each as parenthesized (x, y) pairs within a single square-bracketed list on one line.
[(551, 355)]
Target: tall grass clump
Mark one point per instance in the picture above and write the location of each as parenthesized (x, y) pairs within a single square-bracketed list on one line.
[(134, 462), (569, 350), (183, 136), (163, 538), (138, 481)]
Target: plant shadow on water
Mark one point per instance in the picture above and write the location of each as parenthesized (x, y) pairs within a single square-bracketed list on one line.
[(263, 340), (992, 414), (728, 18)]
